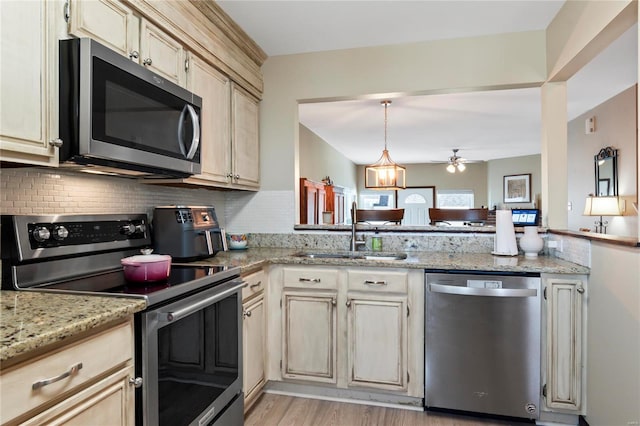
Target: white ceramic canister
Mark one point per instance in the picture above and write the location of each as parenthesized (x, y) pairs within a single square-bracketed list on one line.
[(531, 243)]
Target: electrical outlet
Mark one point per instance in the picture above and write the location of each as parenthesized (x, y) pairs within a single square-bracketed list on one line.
[(552, 244), (555, 244)]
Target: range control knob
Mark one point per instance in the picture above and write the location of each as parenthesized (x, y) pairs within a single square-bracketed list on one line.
[(141, 229), (41, 234), (128, 229), (60, 232)]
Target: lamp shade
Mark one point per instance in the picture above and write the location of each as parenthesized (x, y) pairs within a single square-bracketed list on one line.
[(602, 206)]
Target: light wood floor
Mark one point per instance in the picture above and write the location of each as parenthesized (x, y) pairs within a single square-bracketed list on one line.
[(279, 410)]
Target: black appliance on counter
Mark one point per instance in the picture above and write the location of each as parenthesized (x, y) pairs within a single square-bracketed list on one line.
[(188, 341), (117, 116), (187, 232)]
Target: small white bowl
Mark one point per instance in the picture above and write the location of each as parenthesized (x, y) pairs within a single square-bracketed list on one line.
[(237, 241)]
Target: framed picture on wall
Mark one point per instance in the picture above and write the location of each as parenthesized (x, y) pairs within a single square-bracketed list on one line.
[(517, 188)]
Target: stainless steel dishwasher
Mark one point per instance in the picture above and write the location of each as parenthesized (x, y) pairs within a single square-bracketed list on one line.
[(482, 343)]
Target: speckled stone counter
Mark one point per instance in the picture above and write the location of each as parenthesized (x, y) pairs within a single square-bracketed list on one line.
[(254, 258), (30, 320)]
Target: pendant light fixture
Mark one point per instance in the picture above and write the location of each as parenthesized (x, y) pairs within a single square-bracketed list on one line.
[(384, 173)]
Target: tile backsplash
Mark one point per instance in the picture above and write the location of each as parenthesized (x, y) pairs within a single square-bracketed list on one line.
[(34, 190)]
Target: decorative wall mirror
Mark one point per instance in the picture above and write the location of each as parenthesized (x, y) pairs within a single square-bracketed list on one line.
[(606, 168)]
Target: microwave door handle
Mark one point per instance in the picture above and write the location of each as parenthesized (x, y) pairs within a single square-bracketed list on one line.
[(195, 140)]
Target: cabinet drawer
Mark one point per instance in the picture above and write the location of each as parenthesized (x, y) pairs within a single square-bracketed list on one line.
[(255, 284), (97, 354), (311, 277), (377, 280)]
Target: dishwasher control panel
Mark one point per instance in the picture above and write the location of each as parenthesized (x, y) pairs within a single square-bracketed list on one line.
[(484, 284)]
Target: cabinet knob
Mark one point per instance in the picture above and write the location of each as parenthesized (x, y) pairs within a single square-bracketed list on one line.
[(147, 62), (580, 290), (348, 303), (134, 54), (57, 142), (135, 382), (236, 176), (230, 175)]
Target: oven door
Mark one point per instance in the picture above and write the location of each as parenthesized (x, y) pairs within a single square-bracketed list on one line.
[(192, 357)]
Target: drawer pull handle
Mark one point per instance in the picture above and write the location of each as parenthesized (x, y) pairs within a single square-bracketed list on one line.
[(255, 285), (72, 370), (309, 280), (369, 282)]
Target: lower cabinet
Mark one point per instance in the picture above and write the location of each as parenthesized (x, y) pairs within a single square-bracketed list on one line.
[(377, 336), (253, 337), (309, 343), (86, 382), (563, 387), (108, 402), (349, 327)]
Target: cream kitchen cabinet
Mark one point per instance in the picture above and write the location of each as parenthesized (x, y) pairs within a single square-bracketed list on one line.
[(109, 22), (80, 383), (359, 329), (253, 337), (309, 326), (565, 342), (115, 25), (245, 139), (28, 82), (377, 328)]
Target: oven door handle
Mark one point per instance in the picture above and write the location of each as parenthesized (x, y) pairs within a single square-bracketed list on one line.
[(188, 310)]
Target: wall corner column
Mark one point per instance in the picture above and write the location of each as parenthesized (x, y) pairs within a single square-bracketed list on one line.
[(554, 162)]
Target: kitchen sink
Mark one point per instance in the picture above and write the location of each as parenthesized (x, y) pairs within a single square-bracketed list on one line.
[(349, 255)]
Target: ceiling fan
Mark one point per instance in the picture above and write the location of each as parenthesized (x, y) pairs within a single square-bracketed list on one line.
[(456, 163)]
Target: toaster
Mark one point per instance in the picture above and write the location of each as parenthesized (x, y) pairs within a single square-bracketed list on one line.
[(187, 232)]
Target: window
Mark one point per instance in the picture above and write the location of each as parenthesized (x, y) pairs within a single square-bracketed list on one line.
[(455, 199)]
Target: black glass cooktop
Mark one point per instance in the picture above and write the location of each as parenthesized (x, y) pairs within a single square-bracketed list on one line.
[(182, 280)]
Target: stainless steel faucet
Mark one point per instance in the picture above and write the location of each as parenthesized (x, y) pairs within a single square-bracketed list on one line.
[(354, 241)]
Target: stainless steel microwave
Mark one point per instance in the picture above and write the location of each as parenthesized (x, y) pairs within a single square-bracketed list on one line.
[(118, 117)]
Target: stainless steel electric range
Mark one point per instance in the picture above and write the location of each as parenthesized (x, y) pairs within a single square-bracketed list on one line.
[(188, 339)]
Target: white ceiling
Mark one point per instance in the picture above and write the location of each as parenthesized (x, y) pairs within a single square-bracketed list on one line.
[(483, 125)]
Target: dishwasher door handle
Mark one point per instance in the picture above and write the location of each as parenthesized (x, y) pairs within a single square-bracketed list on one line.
[(493, 292)]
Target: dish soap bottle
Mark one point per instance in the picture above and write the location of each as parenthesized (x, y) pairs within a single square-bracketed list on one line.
[(376, 243)]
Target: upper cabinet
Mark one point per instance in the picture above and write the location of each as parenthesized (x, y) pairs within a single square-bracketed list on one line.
[(245, 141), (116, 26), (28, 83), (193, 44), (162, 54), (109, 22)]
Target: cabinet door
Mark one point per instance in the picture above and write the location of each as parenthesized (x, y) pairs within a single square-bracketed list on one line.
[(214, 89), (564, 343), (253, 349), (28, 83), (108, 402), (377, 342), (161, 54), (309, 336), (107, 21), (245, 148)]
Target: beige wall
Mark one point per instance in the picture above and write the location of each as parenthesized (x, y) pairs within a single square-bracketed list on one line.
[(319, 159), (506, 60), (616, 127), (498, 169), (613, 336)]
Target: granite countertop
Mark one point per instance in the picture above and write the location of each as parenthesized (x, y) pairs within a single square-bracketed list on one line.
[(30, 320), (254, 258)]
